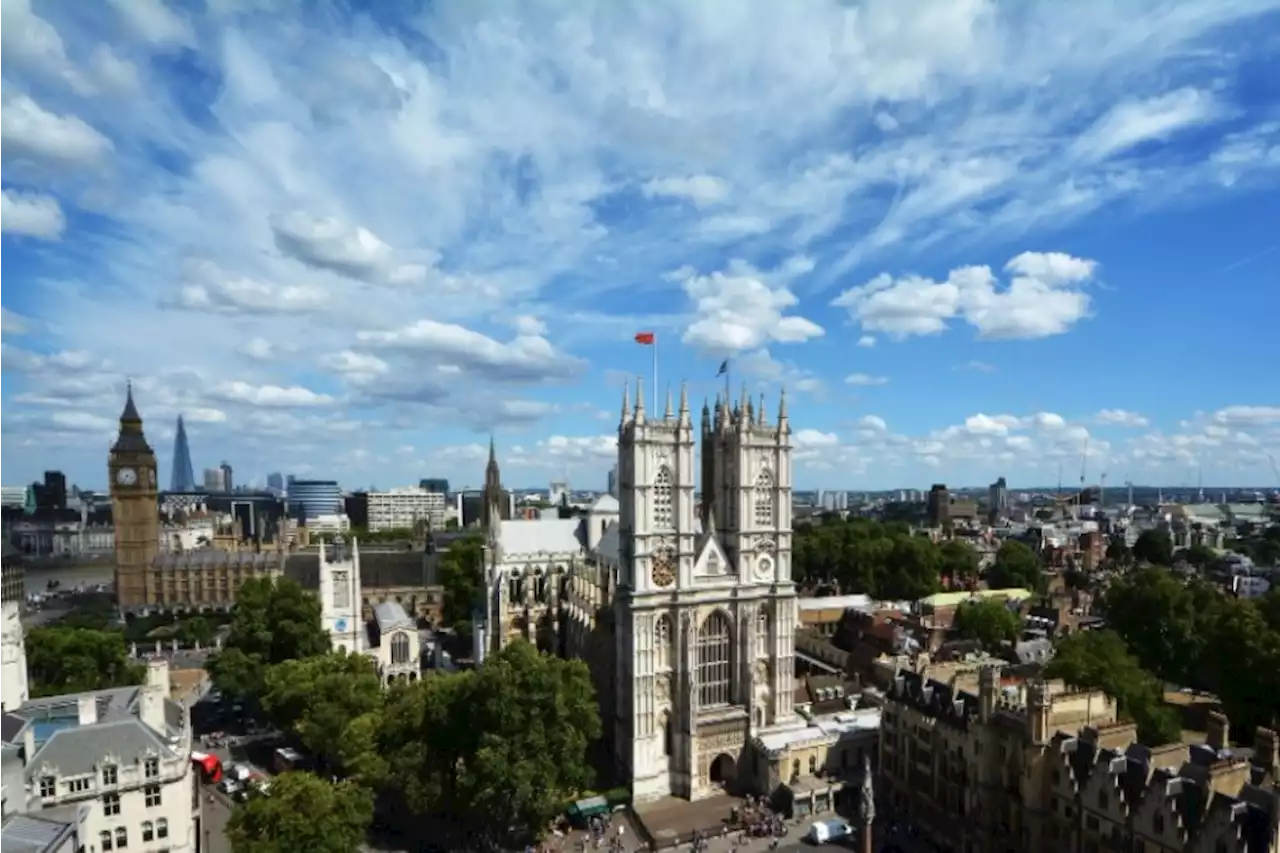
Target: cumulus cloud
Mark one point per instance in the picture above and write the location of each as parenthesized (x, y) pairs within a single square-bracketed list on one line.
[(740, 310), (1045, 296), (31, 215)]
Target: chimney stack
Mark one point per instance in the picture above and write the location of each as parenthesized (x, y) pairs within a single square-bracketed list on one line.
[(1219, 731), (158, 676), (87, 709)]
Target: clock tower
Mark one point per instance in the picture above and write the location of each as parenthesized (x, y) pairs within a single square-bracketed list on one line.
[(135, 510)]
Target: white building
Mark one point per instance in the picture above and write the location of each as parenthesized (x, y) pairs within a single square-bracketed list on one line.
[(331, 524), (402, 508), (394, 643), (706, 608), (13, 664), (341, 602), (114, 763)]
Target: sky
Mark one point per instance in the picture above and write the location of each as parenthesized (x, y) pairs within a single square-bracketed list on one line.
[(970, 239)]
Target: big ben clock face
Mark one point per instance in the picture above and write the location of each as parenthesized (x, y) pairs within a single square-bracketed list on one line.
[(127, 477)]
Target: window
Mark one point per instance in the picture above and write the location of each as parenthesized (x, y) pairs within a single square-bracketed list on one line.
[(714, 660), (79, 786), (762, 632), (662, 512), (764, 499), (341, 591), (162, 828), (148, 831), (153, 796), (151, 768), (110, 774), (111, 805), (400, 647), (662, 643), (48, 786), (104, 840), (813, 765), (122, 838)]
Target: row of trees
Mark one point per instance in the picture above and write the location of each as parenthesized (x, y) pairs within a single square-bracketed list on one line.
[(499, 750), (62, 659), (885, 561)]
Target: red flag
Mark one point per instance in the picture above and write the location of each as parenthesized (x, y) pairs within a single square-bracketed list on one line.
[(645, 338)]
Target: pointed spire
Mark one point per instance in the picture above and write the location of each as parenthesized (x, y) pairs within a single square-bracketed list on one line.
[(684, 398), (493, 451), (760, 419), (783, 425), (626, 402), (130, 412), (671, 411), (639, 411), (751, 411)]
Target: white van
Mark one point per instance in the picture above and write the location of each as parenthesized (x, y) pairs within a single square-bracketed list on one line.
[(826, 831)]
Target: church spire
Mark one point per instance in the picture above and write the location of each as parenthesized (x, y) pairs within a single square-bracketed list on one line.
[(130, 413), (639, 412), (670, 412), (626, 403)]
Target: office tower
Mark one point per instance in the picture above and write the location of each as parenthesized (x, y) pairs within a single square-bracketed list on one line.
[(183, 478), (275, 481)]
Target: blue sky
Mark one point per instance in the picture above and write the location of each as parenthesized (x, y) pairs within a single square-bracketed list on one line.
[(971, 239)]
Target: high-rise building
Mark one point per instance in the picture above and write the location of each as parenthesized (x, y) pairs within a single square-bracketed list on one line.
[(275, 481), (183, 478), (438, 485), (404, 508), (314, 498), (228, 482), (213, 480), (612, 481)]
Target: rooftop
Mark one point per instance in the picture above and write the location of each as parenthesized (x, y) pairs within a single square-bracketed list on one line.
[(27, 833)]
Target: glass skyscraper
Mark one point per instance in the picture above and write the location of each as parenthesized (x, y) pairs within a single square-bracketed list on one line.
[(312, 498), (184, 475)]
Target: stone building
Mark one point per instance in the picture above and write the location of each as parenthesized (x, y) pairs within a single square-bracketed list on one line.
[(1037, 766), (13, 675), (135, 511)]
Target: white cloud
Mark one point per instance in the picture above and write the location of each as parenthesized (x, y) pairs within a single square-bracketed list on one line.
[(526, 358), (259, 349), (740, 310), (1121, 417), (154, 22), (1151, 119), (330, 244), (699, 190), (13, 323), (270, 396), (977, 366), (31, 215), (29, 132), (865, 380), (1044, 297), (867, 341)]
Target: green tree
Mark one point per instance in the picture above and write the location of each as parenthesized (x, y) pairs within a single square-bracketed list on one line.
[(1241, 663), (1118, 553), (334, 704), (274, 620), (989, 622), (1100, 660), (1201, 556), (460, 575), (197, 629), (1155, 547), (72, 660), (863, 556), (302, 813), (500, 748), (958, 560), (1158, 616), (1016, 566)]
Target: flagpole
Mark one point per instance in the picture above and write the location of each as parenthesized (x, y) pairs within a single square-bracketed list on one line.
[(655, 373)]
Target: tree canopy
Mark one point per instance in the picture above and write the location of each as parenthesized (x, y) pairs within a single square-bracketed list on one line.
[(500, 749), (460, 568), (881, 560), (1016, 566), (989, 622), (1101, 660), (333, 703), (274, 620), (71, 660), (1192, 635), (1155, 547), (302, 812)]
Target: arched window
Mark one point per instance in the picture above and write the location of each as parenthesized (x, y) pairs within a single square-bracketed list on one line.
[(148, 831), (662, 643), (715, 663), (762, 632), (122, 838), (764, 499), (663, 517), (104, 839), (400, 647), (162, 828)]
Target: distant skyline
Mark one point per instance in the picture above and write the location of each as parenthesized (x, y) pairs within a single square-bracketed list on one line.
[(971, 239)]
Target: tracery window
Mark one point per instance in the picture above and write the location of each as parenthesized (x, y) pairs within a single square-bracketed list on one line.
[(715, 664), (764, 499), (663, 517), (400, 648), (662, 644)]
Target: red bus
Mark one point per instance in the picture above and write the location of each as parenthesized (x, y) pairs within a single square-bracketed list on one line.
[(210, 766)]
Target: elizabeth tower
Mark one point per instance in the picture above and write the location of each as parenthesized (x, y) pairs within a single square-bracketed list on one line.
[(135, 509)]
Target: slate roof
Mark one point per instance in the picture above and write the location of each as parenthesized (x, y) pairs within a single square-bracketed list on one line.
[(391, 615), (74, 749), (11, 726), (521, 538), (28, 833), (935, 698), (378, 569), (205, 558)]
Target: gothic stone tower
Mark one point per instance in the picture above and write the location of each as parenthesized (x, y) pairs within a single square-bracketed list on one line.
[(341, 595), (131, 467), (491, 512), (705, 618)]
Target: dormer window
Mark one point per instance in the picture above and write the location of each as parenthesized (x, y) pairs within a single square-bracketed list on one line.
[(110, 774), (151, 767), (48, 786)]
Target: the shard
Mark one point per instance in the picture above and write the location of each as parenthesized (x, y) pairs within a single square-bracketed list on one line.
[(184, 475)]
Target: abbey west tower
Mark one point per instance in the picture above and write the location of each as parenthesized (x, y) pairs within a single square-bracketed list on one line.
[(131, 467), (706, 610)]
